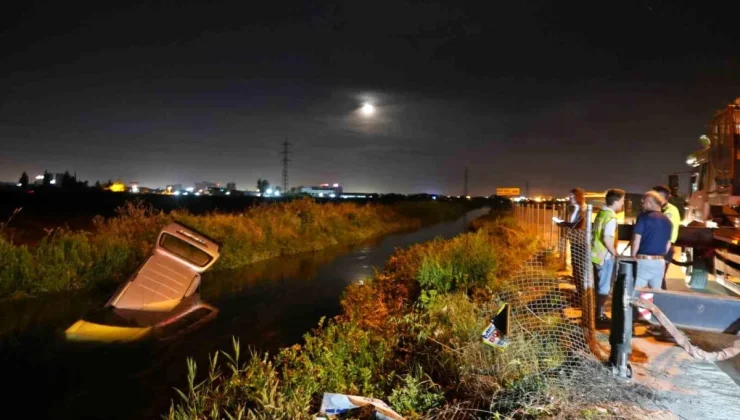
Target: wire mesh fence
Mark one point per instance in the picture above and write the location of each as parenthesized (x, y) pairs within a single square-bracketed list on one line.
[(552, 295)]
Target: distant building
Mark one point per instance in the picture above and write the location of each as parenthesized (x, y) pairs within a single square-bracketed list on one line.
[(172, 188), (54, 179), (206, 185), (231, 186), (323, 190)]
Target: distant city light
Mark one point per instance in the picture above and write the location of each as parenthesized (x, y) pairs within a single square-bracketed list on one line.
[(228, 192), (321, 194), (332, 195), (268, 192), (39, 177), (117, 187), (19, 184), (198, 193), (368, 109), (185, 193), (434, 197), (276, 193), (176, 193), (189, 189), (53, 181), (336, 185), (134, 189)]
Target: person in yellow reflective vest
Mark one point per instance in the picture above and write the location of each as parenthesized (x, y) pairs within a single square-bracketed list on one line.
[(671, 212), (604, 250)]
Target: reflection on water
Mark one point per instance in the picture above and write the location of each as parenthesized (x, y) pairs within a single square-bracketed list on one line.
[(111, 324), (266, 305)]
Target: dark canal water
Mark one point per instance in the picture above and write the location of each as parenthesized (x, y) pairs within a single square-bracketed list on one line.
[(266, 305)]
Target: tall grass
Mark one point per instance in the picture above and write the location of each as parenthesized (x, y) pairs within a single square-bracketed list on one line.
[(410, 336), (71, 260)]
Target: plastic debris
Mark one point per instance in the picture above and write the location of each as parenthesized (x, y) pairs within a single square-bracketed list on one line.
[(495, 334), (334, 405)]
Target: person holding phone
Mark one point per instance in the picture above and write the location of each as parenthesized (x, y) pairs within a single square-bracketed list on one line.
[(578, 247), (577, 215)]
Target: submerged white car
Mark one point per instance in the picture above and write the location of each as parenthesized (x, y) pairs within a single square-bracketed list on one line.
[(160, 298)]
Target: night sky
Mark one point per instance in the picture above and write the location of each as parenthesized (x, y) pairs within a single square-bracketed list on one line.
[(560, 94)]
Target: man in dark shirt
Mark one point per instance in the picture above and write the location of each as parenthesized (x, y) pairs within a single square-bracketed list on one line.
[(651, 241)]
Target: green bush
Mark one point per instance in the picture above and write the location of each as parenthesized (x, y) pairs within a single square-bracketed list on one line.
[(61, 262), (16, 264), (463, 262), (416, 395), (340, 357)]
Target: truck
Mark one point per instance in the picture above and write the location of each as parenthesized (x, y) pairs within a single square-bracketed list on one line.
[(712, 220), (715, 173), (161, 297)]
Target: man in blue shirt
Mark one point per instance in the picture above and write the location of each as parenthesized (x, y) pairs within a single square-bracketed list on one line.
[(651, 242)]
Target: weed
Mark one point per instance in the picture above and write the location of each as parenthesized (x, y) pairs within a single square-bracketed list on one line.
[(417, 394)]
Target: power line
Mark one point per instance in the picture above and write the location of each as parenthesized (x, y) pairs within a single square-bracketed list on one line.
[(285, 153)]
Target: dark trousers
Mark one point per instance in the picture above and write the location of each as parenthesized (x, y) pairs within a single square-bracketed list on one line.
[(580, 259)]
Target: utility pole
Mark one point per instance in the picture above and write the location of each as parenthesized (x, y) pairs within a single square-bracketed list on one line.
[(285, 153), (526, 189), (465, 189)]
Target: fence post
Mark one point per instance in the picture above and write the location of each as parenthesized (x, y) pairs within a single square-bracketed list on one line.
[(531, 215), (552, 225), (620, 335), (563, 238), (588, 279), (544, 226), (537, 219)]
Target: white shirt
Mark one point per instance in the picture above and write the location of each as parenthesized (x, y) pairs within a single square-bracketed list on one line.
[(574, 216)]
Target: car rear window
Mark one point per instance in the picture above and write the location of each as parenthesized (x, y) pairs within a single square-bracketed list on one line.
[(184, 250)]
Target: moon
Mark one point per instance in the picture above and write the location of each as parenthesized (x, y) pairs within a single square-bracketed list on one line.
[(368, 109)]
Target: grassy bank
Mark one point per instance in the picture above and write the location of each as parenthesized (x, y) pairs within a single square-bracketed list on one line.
[(411, 337), (72, 260)]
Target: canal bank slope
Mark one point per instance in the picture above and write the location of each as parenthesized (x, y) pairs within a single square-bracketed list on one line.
[(72, 260), (411, 337)]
